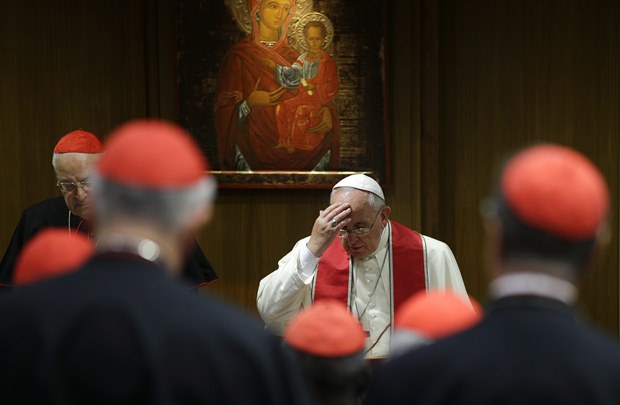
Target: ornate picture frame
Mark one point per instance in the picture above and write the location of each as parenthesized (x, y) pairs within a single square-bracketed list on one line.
[(270, 107)]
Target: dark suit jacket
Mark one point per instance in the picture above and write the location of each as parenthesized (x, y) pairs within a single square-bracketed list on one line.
[(53, 212), (526, 351), (120, 331)]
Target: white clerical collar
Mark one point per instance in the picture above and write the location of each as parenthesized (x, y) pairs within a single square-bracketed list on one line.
[(539, 284)]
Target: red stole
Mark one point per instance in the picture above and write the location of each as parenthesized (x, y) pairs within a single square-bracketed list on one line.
[(333, 277)]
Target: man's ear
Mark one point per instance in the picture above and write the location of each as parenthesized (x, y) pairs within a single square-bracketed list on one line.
[(385, 214), (493, 244), (601, 243), (603, 236)]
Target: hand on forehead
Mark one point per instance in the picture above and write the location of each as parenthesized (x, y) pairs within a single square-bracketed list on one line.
[(361, 209)]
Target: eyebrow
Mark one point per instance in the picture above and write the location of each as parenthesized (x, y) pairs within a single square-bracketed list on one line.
[(358, 225)]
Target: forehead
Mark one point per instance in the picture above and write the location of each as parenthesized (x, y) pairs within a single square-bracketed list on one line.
[(357, 199), (272, 3), (315, 31), (74, 164)]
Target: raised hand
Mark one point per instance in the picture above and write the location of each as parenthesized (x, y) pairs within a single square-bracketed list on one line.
[(269, 63), (326, 227)]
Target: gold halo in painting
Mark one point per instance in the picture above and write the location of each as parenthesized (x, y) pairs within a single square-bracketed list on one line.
[(298, 40), (241, 14)]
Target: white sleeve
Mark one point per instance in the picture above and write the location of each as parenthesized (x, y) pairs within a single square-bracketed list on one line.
[(283, 293), (442, 270)]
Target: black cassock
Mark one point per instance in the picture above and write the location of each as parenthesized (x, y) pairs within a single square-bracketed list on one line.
[(527, 350), (54, 213), (121, 331)]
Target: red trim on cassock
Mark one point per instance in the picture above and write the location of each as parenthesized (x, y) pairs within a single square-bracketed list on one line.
[(204, 283), (408, 256), (333, 273)]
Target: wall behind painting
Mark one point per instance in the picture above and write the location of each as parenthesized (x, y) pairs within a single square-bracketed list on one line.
[(511, 73), (469, 82)]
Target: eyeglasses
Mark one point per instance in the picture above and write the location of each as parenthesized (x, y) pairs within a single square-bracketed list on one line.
[(361, 231), (70, 187)]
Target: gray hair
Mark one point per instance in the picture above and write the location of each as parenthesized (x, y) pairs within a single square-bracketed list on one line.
[(373, 200), (168, 209)]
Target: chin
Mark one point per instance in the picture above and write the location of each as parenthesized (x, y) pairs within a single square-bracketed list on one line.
[(358, 254), (82, 214)]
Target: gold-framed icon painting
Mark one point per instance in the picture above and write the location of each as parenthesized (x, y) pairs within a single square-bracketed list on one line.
[(285, 93)]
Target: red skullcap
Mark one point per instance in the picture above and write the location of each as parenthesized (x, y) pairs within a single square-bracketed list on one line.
[(556, 189), (152, 154), (327, 329), (79, 141), (437, 314), (51, 253)]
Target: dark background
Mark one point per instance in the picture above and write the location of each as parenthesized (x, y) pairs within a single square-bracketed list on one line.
[(469, 82)]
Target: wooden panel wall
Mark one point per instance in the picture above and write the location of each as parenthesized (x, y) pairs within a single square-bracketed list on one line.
[(511, 73), (64, 65), (469, 82)]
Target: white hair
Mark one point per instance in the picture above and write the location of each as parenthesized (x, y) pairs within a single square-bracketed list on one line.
[(169, 209)]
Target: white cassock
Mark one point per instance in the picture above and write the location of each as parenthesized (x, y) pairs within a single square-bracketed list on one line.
[(289, 289)]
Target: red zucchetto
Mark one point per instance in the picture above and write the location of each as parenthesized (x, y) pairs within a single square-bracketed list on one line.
[(556, 189), (152, 154), (79, 141), (437, 314), (326, 329), (51, 253)]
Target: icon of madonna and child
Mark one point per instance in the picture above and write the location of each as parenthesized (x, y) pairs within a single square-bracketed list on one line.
[(274, 103)]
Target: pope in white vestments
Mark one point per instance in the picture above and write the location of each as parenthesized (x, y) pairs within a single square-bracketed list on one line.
[(375, 266)]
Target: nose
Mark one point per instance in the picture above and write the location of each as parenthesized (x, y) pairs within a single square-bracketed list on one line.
[(80, 193), (351, 238)]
